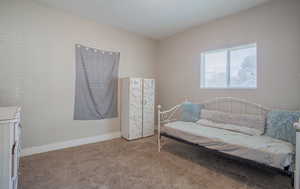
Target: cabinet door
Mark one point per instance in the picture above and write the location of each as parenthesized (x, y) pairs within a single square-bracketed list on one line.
[(148, 106), (135, 108)]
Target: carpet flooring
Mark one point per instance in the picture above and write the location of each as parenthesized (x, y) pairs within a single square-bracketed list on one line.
[(119, 164)]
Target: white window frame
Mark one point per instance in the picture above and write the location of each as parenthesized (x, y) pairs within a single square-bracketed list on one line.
[(228, 50)]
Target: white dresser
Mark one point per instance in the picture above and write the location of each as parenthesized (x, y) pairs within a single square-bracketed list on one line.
[(10, 132), (137, 107)]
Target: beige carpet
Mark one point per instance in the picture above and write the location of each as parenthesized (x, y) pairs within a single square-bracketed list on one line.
[(137, 165)]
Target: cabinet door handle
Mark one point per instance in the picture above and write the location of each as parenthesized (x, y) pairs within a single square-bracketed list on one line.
[(14, 149)]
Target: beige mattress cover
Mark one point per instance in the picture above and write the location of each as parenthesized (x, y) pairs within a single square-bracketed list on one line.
[(262, 149)]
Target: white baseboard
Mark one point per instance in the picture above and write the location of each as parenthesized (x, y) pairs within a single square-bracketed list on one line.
[(68, 144)]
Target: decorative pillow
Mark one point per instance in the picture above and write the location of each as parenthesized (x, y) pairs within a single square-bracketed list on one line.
[(229, 127), (280, 125), (190, 112), (245, 120)]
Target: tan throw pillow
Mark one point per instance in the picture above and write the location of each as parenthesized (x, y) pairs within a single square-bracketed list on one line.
[(244, 120)]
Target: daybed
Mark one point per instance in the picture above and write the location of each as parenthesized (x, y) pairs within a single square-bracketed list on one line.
[(231, 127)]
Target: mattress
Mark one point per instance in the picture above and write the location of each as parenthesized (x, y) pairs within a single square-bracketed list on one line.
[(262, 149)]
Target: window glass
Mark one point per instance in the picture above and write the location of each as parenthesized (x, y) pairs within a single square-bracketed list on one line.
[(230, 68), (215, 69), (243, 68)]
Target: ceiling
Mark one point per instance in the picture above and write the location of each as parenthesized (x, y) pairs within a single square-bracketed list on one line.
[(153, 18)]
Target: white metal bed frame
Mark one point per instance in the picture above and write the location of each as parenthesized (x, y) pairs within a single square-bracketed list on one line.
[(225, 104)]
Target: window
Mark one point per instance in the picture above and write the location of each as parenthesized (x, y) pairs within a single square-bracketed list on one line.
[(229, 68)]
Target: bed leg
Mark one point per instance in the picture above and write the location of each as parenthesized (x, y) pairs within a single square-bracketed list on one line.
[(158, 128), (158, 144), (297, 159), (293, 180)]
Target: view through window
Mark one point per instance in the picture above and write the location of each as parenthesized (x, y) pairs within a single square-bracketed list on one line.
[(230, 68)]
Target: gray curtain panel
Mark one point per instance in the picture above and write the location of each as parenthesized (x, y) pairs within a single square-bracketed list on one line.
[(96, 84)]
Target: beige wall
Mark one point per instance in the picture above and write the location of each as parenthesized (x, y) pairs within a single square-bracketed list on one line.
[(276, 29), (38, 68)]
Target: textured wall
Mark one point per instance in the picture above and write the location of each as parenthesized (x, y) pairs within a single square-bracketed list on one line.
[(38, 67), (275, 27)]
